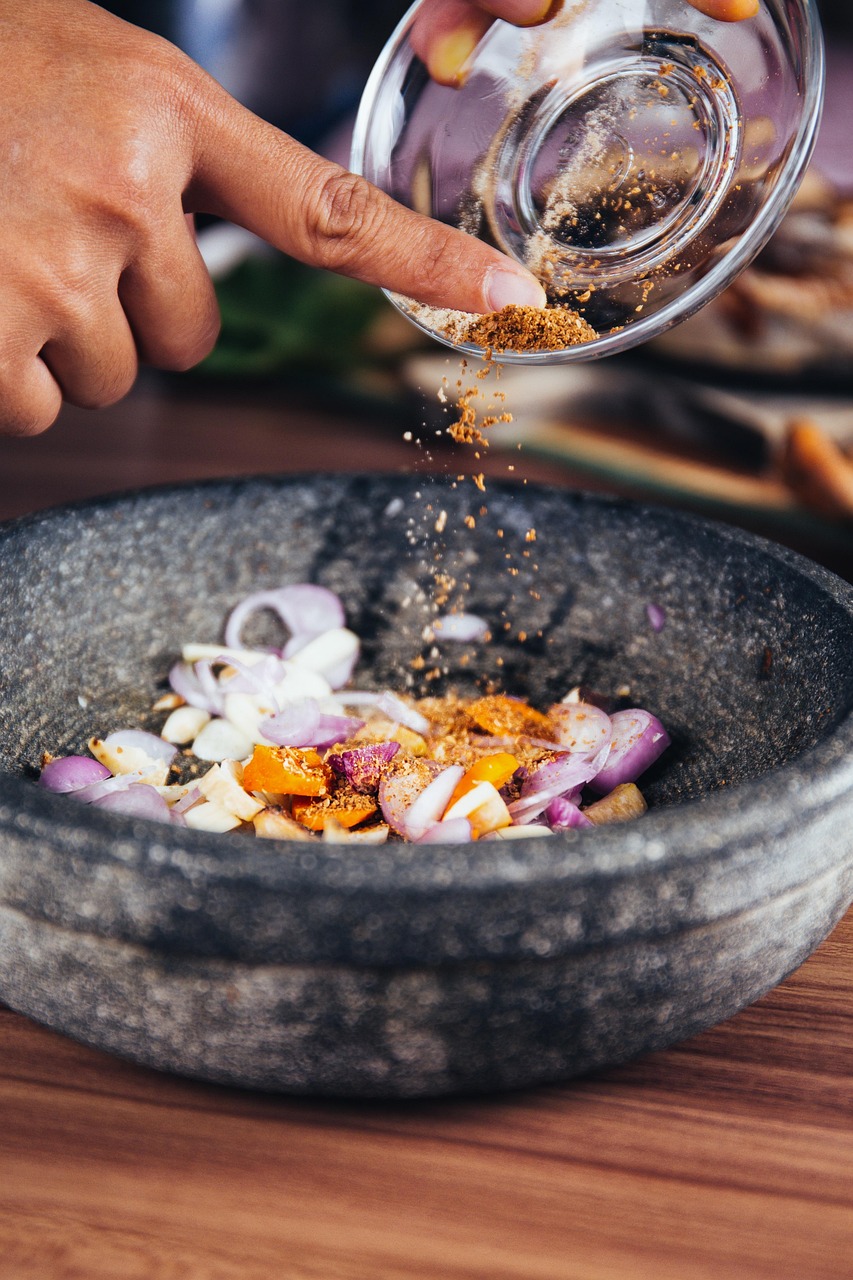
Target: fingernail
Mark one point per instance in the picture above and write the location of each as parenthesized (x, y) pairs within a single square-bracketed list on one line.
[(505, 288), (727, 10), (544, 13), (450, 53)]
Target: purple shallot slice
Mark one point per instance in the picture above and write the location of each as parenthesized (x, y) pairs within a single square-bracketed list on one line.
[(639, 739)]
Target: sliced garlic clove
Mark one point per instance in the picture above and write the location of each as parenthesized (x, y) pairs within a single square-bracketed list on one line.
[(221, 740), (210, 817), (221, 785), (184, 725)]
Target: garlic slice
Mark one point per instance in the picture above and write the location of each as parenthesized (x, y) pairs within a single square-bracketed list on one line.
[(220, 740), (184, 724), (210, 817), (222, 785)]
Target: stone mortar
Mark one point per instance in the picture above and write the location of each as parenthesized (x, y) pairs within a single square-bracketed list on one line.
[(399, 971)]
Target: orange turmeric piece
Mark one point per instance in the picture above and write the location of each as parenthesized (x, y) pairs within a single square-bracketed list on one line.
[(347, 810), (497, 769), (292, 771), (510, 717)]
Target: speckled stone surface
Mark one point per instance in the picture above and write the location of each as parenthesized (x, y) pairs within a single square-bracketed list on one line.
[(399, 971)]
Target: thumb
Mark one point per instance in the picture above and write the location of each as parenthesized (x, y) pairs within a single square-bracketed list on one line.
[(252, 174)]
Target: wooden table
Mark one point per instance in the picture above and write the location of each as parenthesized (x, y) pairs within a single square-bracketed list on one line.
[(729, 1157)]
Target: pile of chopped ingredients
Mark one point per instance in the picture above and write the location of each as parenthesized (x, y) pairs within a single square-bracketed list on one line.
[(295, 755)]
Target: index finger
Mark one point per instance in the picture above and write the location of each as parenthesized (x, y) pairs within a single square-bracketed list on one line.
[(253, 174)]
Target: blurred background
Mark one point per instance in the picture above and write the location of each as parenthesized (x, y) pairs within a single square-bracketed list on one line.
[(745, 412), (303, 66)]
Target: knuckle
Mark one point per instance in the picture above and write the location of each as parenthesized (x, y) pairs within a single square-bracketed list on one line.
[(68, 285), (128, 196), (29, 419), (182, 349), (107, 385), (143, 157), (92, 374), (344, 216), (23, 413)]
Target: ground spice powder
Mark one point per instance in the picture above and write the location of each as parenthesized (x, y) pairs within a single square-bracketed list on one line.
[(517, 328)]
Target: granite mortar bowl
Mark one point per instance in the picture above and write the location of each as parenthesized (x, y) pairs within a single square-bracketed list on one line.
[(401, 971)]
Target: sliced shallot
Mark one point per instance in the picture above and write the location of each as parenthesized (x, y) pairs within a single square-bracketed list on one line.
[(138, 802), (259, 677), (190, 797), (398, 792), (363, 767), (398, 710), (185, 682), (565, 773), (333, 729), (558, 777), (209, 684), (96, 790), (295, 725), (638, 739), (656, 615), (72, 773), (304, 608), (565, 814), (453, 831), (303, 724), (429, 806), (581, 727)]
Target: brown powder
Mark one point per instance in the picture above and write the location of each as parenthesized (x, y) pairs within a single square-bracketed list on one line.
[(456, 738), (475, 407), (517, 328), (512, 329), (466, 429)]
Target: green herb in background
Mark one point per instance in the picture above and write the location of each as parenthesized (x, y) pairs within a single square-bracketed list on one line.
[(279, 315)]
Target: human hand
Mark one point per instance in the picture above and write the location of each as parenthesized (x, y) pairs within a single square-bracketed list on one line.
[(112, 138), (447, 32)]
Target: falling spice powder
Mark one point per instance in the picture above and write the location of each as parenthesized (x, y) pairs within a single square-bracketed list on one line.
[(513, 328)]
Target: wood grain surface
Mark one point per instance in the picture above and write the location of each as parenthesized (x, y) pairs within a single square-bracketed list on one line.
[(729, 1157)]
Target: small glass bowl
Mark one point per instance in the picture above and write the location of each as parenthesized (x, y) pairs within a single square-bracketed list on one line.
[(634, 154)]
